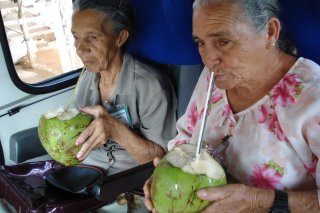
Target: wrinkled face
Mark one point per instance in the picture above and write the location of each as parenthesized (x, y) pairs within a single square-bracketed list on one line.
[(229, 46), (94, 40)]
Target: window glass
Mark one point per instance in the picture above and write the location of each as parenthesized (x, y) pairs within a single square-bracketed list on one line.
[(39, 37)]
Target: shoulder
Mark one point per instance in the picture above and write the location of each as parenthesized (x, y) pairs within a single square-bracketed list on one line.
[(307, 70), (299, 89), (88, 77), (147, 75)]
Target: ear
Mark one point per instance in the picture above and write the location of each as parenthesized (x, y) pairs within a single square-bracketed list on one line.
[(273, 29), (122, 38)]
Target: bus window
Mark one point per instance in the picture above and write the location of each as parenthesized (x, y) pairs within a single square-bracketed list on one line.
[(39, 38)]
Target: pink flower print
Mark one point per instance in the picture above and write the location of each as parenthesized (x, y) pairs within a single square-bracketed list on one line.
[(286, 91), (263, 114), (216, 98), (208, 82), (278, 131), (312, 167), (180, 142), (269, 119), (201, 113), (226, 111), (265, 177), (227, 115), (192, 116)]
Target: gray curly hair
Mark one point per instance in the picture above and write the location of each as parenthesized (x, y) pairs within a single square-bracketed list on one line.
[(119, 12), (258, 12)]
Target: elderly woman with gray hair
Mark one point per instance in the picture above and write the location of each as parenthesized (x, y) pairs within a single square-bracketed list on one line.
[(265, 106), (134, 106)]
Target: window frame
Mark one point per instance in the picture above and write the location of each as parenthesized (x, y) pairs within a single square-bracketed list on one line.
[(49, 85)]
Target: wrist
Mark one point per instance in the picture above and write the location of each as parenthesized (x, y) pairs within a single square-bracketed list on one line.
[(116, 125), (264, 199), (280, 204)]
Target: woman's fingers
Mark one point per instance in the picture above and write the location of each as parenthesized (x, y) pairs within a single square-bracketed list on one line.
[(146, 189), (90, 138), (94, 135), (95, 111), (87, 147), (217, 193), (85, 135), (147, 195), (156, 161)]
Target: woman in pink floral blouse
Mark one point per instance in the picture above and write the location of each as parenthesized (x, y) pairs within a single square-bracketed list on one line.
[(265, 106)]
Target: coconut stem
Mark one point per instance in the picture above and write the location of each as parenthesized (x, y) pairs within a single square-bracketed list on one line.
[(205, 113), (75, 88)]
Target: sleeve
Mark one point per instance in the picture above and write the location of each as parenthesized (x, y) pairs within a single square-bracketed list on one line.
[(311, 131), (301, 124), (187, 121), (158, 117), (87, 92)]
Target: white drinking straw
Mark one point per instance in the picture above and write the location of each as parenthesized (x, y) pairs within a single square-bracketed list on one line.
[(203, 124), (74, 89)]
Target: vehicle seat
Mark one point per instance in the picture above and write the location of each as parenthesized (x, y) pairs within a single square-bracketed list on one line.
[(163, 38)]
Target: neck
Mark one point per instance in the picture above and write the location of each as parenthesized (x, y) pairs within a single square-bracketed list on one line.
[(242, 97), (108, 80), (110, 75)]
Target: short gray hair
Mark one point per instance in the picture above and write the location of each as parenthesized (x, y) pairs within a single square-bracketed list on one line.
[(258, 12), (119, 12)]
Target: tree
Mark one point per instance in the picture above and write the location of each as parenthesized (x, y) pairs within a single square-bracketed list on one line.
[(24, 29)]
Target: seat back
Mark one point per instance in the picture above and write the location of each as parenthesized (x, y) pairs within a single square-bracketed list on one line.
[(164, 37)]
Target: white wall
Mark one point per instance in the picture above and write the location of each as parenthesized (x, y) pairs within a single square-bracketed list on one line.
[(11, 96)]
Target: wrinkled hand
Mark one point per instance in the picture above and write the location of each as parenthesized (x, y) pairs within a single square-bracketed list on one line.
[(146, 189), (231, 198), (96, 134)]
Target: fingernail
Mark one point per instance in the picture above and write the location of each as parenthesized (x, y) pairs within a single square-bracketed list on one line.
[(79, 155), (202, 193)]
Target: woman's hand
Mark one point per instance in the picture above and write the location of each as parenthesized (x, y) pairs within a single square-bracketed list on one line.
[(96, 134), (237, 198), (146, 189)]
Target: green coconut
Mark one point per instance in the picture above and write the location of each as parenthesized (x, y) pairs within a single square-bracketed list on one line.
[(178, 177), (58, 131)]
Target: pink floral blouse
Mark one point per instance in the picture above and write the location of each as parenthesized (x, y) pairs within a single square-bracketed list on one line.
[(275, 143)]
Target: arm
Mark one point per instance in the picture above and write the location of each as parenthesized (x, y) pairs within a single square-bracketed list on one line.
[(303, 201), (188, 121), (141, 149), (105, 126), (241, 198)]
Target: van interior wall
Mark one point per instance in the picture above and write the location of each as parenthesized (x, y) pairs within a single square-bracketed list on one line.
[(1, 155)]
